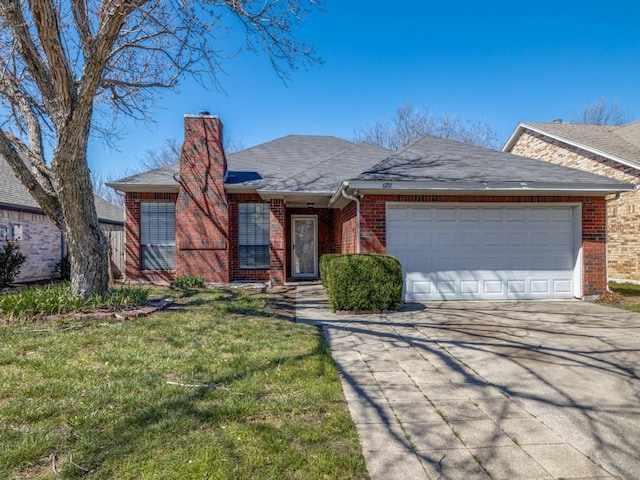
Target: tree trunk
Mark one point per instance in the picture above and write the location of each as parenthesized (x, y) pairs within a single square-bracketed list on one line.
[(86, 241), (88, 258)]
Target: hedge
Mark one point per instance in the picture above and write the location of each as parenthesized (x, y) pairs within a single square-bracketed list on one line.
[(357, 282)]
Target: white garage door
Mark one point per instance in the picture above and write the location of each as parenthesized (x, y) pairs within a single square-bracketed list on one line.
[(481, 252)]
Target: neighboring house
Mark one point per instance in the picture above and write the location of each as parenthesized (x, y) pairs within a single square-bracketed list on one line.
[(613, 151), (466, 222), (40, 240)]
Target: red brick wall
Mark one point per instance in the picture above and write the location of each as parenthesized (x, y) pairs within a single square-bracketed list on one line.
[(251, 275), (346, 230), (202, 212), (594, 246), (373, 227), (277, 240), (132, 237)]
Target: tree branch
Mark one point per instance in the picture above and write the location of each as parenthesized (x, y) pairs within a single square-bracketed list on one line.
[(48, 26), (48, 202), (81, 17), (10, 10)]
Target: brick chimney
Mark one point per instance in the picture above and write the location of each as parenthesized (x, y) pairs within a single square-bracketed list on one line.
[(202, 210)]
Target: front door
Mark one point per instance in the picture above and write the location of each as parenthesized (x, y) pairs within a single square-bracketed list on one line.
[(304, 246)]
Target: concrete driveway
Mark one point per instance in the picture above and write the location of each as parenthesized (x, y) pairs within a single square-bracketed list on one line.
[(501, 390)]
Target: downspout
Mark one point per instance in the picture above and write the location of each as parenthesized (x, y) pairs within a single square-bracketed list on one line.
[(343, 190)]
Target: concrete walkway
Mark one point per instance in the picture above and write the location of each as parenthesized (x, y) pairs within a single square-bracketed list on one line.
[(505, 390)]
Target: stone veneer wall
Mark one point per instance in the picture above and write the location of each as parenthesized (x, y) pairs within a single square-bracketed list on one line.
[(41, 243), (623, 214)]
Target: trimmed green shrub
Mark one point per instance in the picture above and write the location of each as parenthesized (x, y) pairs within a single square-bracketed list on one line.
[(11, 261), (189, 281), (324, 261), (358, 282)]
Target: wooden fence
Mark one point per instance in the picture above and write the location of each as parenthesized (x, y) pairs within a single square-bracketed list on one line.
[(116, 253)]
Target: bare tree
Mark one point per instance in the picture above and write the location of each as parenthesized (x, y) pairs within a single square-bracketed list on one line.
[(69, 67), (99, 180), (602, 112), (410, 123), (168, 153)]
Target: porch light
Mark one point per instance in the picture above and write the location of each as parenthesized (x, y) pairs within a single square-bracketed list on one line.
[(310, 205)]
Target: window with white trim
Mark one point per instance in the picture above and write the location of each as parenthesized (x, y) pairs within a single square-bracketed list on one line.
[(157, 235), (253, 235)]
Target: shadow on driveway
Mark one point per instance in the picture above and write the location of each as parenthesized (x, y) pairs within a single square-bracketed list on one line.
[(507, 389)]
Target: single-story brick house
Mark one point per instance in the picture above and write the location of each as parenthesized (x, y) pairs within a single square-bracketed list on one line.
[(40, 240), (612, 151), (466, 222)]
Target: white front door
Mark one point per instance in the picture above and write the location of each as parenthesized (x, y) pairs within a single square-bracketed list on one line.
[(304, 246)]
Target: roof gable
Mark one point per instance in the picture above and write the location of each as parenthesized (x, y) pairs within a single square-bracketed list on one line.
[(618, 143)]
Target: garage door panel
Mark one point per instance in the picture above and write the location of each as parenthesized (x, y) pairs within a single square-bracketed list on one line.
[(469, 286), (445, 214), (469, 214), (421, 214), (483, 252), (540, 287)]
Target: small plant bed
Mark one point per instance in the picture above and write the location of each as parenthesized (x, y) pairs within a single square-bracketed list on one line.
[(56, 299), (219, 385), (622, 295)]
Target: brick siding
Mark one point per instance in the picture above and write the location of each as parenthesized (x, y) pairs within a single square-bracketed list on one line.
[(132, 237), (41, 243), (251, 275), (623, 214), (373, 227), (346, 234), (202, 211)]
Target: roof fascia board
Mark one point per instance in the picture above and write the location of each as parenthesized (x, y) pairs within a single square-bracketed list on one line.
[(240, 189), (311, 193), (38, 211), (486, 187), (521, 127), (20, 208), (513, 138), (337, 195), (145, 188)]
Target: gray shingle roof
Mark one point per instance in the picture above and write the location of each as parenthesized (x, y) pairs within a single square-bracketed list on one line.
[(295, 163), (14, 194), (302, 163), (434, 159), (160, 177), (619, 141)]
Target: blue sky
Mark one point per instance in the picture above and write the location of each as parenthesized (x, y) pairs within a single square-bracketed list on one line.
[(501, 62)]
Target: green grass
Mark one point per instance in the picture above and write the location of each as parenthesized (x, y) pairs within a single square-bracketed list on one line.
[(56, 298), (220, 386), (627, 289), (631, 294)]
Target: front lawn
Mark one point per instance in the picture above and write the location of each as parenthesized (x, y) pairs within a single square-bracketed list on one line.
[(625, 296), (222, 385)]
